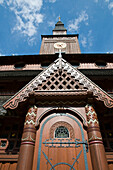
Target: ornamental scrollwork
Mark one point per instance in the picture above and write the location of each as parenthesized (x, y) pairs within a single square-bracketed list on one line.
[(24, 93)]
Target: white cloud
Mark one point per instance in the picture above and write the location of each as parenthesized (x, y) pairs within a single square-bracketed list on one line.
[(87, 41), (106, 0), (110, 6), (1, 1), (96, 1), (51, 23), (28, 15), (90, 38), (52, 1), (74, 26), (84, 41)]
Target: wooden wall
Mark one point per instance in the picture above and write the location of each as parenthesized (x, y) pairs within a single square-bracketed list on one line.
[(110, 166), (8, 166)]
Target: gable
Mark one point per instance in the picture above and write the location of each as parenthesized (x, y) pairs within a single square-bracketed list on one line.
[(62, 81), (67, 78)]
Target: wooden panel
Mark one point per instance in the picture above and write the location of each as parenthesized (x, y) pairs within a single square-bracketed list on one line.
[(110, 166), (0, 165), (109, 156), (8, 166), (13, 166), (5, 166), (60, 155), (47, 46)]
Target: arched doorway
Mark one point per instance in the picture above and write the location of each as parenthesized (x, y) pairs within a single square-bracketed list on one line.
[(61, 144)]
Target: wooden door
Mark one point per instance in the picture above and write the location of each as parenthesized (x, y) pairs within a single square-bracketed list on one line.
[(62, 144)]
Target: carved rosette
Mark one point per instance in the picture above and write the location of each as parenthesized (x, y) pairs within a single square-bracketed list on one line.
[(94, 135), (29, 131)]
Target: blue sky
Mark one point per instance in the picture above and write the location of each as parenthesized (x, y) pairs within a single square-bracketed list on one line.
[(23, 21)]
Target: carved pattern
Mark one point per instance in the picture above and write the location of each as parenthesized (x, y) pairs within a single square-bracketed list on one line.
[(62, 81), (92, 121), (65, 124), (28, 138), (29, 131), (28, 122), (72, 72), (31, 116), (93, 137), (61, 103), (91, 115)]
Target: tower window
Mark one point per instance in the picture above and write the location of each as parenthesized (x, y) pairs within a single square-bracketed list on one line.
[(61, 132)]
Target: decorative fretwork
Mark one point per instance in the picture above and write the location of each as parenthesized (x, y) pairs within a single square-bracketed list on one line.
[(75, 76), (60, 81), (62, 124), (61, 132)]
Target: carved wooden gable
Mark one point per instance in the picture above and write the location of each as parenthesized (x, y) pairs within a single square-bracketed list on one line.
[(60, 81), (59, 76)]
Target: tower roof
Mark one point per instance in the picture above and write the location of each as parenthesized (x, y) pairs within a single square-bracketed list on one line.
[(59, 28)]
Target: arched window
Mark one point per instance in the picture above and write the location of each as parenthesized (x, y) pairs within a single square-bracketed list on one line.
[(61, 132)]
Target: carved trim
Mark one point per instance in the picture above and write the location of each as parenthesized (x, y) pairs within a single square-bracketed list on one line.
[(29, 122), (57, 103), (31, 116), (91, 113), (61, 93), (93, 137), (92, 121), (66, 110), (96, 142), (62, 123), (21, 96), (28, 138)]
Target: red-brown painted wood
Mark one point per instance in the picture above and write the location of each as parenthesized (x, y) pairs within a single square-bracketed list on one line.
[(60, 154), (98, 157), (28, 141)]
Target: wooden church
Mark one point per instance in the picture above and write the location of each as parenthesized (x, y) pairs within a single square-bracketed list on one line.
[(56, 108)]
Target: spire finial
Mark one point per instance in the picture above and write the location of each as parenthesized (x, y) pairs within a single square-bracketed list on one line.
[(59, 18)]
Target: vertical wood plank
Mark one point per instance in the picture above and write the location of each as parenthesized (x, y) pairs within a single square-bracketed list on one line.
[(110, 166), (5, 166), (13, 166)]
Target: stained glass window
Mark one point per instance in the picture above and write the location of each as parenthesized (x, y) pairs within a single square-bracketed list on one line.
[(61, 132)]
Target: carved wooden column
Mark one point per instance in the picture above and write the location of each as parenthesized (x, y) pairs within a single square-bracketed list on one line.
[(28, 141), (97, 151)]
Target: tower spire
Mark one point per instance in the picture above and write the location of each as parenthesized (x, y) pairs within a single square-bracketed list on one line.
[(59, 18), (59, 28)]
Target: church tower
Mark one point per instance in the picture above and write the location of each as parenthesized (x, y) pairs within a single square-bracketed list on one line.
[(63, 107), (60, 35)]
